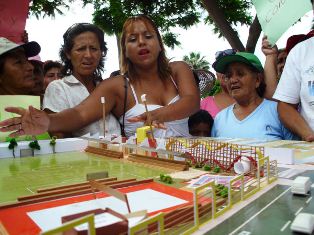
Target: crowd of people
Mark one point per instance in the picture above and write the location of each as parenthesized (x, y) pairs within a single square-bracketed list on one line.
[(269, 102)]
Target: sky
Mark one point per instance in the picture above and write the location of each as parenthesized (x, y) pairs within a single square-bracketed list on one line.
[(199, 38)]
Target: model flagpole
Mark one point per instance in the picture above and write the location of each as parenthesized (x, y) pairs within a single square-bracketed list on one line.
[(143, 98), (102, 99)]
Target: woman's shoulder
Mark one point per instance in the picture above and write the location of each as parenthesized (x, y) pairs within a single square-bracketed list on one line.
[(180, 69), (225, 112), (113, 83), (114, 80), (270, 103), (56, 84), (178, 65)]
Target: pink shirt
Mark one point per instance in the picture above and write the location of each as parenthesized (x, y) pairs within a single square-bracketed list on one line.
[(210, 106)]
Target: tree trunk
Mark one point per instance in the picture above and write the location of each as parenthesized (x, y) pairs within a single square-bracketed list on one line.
[(119, 48), (219, 18), (254, 33)]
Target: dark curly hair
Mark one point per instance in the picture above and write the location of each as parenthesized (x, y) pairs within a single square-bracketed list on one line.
[(49, 64), (68, 43)]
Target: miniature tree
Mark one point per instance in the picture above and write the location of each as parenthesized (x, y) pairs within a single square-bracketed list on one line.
[(222, 190), (12, 145), (53, 143), (207, 168), (166, 179), (217, 169), (34, 145)]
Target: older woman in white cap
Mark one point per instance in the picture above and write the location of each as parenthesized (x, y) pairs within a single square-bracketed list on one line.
[(16, 73), (251, 116)]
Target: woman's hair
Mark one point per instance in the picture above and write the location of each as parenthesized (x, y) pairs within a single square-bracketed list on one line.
[(68, 43), (262, 86), (49, 64), (127, 67)]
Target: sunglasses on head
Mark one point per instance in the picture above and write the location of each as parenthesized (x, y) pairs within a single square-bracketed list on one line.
[(220, 54)]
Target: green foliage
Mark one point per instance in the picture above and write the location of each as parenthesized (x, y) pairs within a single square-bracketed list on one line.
[(111, 14), (219, 187), (166, 179), (195, 60), (170, 39), (34, 145), (217, 169), (216, 89), (48, 7), (235, 11), (207, 168), (12, 143), (53, 140), (221, 190)]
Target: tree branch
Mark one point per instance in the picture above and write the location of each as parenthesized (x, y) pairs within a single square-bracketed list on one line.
[(254, 33), (219, 18)]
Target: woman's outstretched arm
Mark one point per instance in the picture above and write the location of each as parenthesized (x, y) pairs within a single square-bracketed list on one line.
[(32, 121)]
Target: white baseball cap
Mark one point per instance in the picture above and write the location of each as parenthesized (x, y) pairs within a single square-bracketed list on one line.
[(30, 48)]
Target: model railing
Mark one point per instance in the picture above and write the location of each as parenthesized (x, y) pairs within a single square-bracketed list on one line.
[(209, 202)]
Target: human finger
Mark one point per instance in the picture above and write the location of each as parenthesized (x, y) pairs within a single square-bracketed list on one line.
[(135, 119), (34, 110), (159, 125), (9, 123), (17, 110), (309, 138), (139, 118), (13, 127)]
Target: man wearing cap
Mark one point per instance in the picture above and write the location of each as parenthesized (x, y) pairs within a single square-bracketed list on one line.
[(251, 116), (295, 91), (16, 73)]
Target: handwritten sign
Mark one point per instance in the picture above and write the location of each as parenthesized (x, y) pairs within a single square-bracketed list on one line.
[(276, 16), (13, 14), (22, 101)]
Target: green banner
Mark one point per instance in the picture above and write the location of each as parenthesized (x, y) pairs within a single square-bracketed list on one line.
[(22, 101), (276, 16)]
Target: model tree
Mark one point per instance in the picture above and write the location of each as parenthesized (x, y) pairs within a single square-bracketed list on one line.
[(53, 143), (34, 145), (12, 145)]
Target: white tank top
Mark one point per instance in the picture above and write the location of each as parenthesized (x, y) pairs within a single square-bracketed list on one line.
[(174, 128)]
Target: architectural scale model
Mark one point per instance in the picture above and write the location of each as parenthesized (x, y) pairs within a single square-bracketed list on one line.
[(186, 211)]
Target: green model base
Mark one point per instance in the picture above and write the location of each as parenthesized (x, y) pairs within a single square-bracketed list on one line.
[(23, 176)]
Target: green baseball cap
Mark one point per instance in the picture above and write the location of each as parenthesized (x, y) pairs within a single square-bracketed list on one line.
[(221, 64)]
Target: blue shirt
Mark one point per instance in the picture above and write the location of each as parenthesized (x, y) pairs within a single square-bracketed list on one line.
[(263, 123)]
